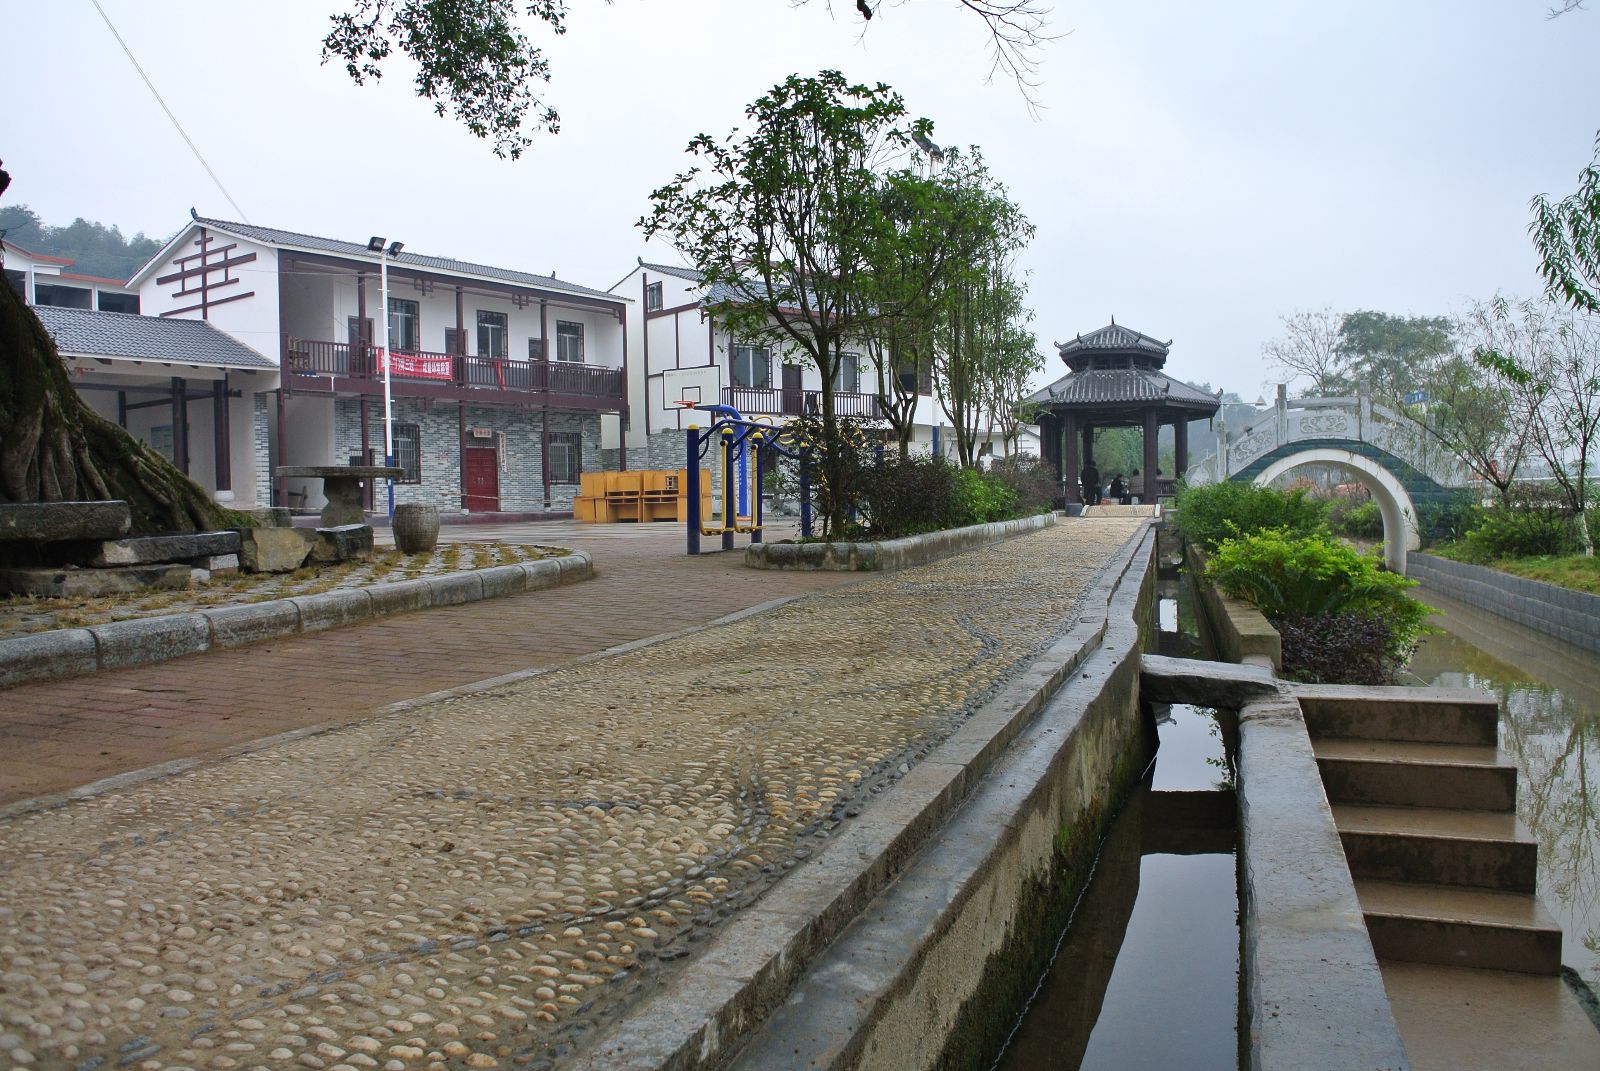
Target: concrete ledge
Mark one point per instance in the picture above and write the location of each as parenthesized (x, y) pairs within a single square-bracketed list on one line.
[(1313, 993), (235, 626), (74, 652), (1240, 632), (332, 608), (151, 639), (699, 1018), (1570, 616), (891, 553), (62, 652)]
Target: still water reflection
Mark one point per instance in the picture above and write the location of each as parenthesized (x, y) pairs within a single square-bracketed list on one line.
[(1550, 727)]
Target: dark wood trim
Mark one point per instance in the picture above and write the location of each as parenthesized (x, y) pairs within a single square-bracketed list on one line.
[(206, 306), (223, 461), (191, 273), (672, 311), (207, 288), (122, 409)]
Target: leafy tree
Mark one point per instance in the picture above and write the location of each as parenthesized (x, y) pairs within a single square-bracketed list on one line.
[(1309, 349), (1566, 234), (94, 248), (54, 448), (1556, 378), (474, 60), (779, 221), (1392, 353)]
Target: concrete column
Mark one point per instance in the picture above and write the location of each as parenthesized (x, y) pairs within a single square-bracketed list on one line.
[(1152, 455)]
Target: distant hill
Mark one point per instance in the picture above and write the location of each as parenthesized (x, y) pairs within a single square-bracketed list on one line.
[(94, 248)]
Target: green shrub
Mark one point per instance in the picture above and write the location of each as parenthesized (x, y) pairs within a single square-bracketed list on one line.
[(1211, 513), (1298, 577), (1030, 479), (1340, 649), (982, 498), (1357, 520), (1510, 532), (905, 495)]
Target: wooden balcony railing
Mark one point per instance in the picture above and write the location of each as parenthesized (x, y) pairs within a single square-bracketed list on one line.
[(313, 357), (774, 401)]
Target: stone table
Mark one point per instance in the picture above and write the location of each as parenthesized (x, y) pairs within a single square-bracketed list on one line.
[(341, 485)]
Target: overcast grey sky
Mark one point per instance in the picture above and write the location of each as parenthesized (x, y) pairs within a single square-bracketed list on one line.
[(1197, 170)]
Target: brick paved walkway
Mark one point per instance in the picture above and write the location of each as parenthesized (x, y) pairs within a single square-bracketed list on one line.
[(57, 735), (468, 882)]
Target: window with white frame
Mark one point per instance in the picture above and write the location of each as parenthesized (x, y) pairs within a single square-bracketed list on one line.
[(566, 456), (652, 297), (847, 377), (569, 342), (403, 334), (751, 366), (493, 337)]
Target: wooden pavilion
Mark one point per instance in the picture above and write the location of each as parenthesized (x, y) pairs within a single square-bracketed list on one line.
[(1116, 381)]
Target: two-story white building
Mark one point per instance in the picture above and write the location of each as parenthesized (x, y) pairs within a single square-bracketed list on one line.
[(500, 379), (682, 352), (44, 280)]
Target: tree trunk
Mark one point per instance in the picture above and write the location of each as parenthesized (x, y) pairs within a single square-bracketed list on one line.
[(54, 448)]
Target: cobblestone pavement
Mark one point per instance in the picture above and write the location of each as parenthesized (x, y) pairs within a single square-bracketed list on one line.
[(57, 735), (470, 883), (20, 614)]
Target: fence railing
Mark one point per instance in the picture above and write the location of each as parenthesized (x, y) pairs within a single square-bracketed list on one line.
[(314, 357), (776, 401)]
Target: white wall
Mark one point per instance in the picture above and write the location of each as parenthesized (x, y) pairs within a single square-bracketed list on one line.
[(252, 320)]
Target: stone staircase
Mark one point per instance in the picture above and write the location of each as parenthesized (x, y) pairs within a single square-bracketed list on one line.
[(1426, 809)]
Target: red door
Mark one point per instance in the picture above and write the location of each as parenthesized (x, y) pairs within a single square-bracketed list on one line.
[(482, 468)]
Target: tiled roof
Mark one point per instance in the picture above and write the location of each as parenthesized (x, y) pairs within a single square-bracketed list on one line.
[(359, 251), (1114, 337), (146, 338), (1114, 386), (676, 272)]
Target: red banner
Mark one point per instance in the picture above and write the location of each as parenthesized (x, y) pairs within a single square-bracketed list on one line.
[(422, 366)]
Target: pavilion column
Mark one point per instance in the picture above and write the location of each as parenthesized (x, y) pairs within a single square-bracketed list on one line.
[(1180, 442), (1152, 455), (1069, 461), (1088, 444), (1048, 446)]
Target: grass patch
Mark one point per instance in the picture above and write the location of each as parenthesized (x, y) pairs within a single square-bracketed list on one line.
[(1572, 571)]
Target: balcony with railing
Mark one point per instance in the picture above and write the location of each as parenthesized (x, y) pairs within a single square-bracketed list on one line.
[(753, 401), (454, 374)]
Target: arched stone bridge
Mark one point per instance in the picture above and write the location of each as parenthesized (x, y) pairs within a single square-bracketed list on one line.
[(1389, 453)]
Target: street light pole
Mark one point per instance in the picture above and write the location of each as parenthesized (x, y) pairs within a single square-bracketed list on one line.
[(385, 251)]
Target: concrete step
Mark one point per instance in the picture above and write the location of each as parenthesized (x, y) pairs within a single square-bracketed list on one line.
[(1429, 715), (1459, 927), (1410, 774), (1437, 845)]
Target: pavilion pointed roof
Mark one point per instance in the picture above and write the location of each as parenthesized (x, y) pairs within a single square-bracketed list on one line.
[(1116, 374)]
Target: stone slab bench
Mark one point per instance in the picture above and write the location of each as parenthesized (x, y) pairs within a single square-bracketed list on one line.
[(891, 553), (57, 522), (183, 547), (76, 651)]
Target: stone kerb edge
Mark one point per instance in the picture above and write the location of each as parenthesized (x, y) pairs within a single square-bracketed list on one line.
[(890, 554), (74, 652), (1571, 616), (748, 967)]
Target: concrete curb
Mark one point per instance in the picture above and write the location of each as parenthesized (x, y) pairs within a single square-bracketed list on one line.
[(1570, 616), (1240, 632), (891, 553), (760, 954), (62, 653)]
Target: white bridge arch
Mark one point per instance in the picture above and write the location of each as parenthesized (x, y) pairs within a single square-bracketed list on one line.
[(1389, 453)]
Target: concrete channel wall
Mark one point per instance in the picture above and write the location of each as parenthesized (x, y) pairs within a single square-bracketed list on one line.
[(1570, 616), (1238, 631), (915, 933)]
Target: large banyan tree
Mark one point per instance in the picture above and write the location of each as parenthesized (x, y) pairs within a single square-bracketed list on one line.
[(55, 448)]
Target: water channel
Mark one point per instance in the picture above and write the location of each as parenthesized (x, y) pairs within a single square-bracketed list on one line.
[(1146, 973), (1550, 727)]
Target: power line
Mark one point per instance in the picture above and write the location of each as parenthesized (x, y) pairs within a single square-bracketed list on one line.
[(174, 118)]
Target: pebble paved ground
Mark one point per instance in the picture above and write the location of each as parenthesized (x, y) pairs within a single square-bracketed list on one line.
[(471, 883)]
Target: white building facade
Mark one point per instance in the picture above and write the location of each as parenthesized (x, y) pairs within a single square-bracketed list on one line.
[(682, 353), (501, 380)]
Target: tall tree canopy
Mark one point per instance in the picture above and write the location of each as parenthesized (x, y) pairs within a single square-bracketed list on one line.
[(94, 248), (474, 60)]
